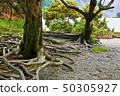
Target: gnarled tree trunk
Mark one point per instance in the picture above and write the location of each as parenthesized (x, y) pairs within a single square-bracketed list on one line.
[(33, 37), (87, 30)]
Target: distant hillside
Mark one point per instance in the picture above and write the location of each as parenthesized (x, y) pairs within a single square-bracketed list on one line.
[(110, 13)]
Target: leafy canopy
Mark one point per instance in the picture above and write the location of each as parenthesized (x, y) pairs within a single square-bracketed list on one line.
[(58, 11)]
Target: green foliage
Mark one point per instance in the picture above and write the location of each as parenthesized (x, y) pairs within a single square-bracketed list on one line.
[(14, 26), (117, 33), (44, 29), (61, 26), (99, 49), (100, 28), (78, 26), (17, 23), (59, 11), (86, 8), (54, 73)]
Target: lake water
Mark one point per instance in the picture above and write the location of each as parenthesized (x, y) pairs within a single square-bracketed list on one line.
[(112, 23)]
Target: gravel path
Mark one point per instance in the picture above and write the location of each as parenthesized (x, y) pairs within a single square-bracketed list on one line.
[(89, 66)]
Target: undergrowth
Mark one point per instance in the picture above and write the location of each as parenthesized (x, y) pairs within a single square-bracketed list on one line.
[(98, 49), (13, 26), (117, 33)]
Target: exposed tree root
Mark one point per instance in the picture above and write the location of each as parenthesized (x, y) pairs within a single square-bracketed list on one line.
[(24, 68), (77, 52), (68, 67), (18, 71), (9, 44), (3, 78), (52, 41), (86, 44), (61, 51), (43, 60), (53, 54), (6, 74), (41, 67), (26, 72), (62, 35)]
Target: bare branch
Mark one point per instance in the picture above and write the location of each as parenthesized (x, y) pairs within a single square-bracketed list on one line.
[(108, 6), (110, 3), (102, 7), (73, 7), (15, 9)]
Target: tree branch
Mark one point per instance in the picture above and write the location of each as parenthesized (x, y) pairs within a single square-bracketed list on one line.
[(93, 3), (21, 6), (73, 7), (9, 3), (101, 7), (17, 11)]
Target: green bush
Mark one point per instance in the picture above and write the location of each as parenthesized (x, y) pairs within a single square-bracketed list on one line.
[(117, 33), (58, 11), (78, 26), (61, 26)]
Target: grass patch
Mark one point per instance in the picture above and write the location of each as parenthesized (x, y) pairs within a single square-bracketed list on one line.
[(99, 49), (63, 42), (117, 33), (16, 24), (13, 26)]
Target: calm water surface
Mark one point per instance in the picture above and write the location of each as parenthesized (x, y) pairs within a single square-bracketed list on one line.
[(114, 23)]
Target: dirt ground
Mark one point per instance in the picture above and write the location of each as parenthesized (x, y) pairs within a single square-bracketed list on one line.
[(88, 65)]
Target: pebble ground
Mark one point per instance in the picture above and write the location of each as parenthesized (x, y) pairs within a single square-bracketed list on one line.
[(89, 66)]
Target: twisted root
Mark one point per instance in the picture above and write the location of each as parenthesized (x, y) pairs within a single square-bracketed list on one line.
[(18, 71), (43, 60)]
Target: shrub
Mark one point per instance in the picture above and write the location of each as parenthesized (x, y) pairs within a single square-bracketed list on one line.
[(58, 11), (61, 26), (78, 26), (99, 49)]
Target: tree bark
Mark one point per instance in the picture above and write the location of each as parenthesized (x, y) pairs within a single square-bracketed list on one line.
[(10, 14), (87, 30), (33, 36), (88, 18)]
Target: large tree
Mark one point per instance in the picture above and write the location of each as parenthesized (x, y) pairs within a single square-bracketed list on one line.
[(90, 15), (32, 43), (33, 37)]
